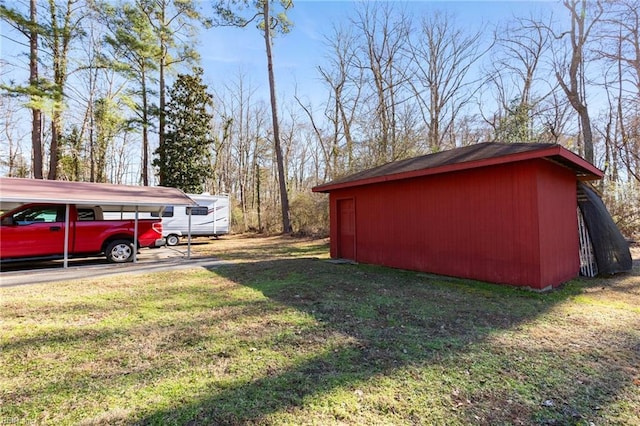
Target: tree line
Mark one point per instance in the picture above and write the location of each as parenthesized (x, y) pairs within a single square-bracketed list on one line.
[(397, 85)]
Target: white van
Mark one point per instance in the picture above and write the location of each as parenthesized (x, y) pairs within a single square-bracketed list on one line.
[(210, 218)]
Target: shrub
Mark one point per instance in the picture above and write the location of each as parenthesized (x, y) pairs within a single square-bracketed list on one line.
[(310, 214)]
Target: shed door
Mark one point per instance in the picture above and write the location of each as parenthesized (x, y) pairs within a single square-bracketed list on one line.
[(346, 229)]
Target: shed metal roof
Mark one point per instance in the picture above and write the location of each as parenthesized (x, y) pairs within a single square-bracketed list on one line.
[(111, 197), (468, 157)]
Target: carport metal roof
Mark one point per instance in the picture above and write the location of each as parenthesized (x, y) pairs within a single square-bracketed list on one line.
[(17, 191)]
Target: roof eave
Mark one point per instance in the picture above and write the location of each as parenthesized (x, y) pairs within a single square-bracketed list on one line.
[(589, 171), (555, 150)]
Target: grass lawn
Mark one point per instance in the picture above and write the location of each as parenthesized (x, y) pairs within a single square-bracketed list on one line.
[(283, 337)]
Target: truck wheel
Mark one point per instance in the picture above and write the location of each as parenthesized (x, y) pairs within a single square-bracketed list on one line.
[(173, 240), (119, 251)]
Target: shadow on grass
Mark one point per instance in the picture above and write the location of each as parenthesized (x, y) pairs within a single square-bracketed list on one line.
[(266, 248), (399, 320)]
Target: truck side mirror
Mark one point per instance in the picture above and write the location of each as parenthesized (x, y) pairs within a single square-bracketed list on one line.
[(7, 221)]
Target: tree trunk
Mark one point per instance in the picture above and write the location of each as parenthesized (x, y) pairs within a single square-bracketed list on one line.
[(587, 134), (161, 118), (579, 35), (60, 38), (36, 122), (55, 136), (284, 198), (257, 189), (145, 134)]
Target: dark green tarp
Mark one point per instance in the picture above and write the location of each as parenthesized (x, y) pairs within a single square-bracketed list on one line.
[(610, 248)]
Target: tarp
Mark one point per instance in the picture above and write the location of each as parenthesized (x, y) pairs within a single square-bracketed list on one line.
[(610, 248)]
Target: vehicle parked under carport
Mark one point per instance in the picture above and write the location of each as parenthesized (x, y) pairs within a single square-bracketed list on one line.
[(17, 192), (37, 231)]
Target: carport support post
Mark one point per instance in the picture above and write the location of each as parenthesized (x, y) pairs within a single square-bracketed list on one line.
[(65, 263), (135, 237)]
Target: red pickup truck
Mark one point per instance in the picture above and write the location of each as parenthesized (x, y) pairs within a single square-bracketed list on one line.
[(36, 231)]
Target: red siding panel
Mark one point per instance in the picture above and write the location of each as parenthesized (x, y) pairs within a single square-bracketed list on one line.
[(557, 210), (481, 223)]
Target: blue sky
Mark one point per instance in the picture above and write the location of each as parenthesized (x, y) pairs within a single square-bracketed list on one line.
[(228, 51)]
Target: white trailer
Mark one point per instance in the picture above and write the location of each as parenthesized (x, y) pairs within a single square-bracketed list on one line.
[(210, 218)]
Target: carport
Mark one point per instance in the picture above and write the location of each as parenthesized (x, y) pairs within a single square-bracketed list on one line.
[(15, 192)]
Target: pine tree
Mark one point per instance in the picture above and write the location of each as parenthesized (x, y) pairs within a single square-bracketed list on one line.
[(229, 12), (184, 160), (134, 53)]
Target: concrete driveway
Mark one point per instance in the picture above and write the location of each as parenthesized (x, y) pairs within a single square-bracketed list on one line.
[(149, 260)]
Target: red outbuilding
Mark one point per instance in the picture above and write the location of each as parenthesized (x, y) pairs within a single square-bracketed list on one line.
[(503, 213)]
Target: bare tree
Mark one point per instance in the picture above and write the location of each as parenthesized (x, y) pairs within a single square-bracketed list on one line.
[(345, 83), (93, 83), (242, 152), (329, 149), (570, 69), (268, 24), (382, 31), (442, 57), (11, 152), (520, 50), (621, 50), (63, 28), (554, 115)]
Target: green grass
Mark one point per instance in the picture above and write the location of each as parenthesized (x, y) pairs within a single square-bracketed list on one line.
[(283, 337)]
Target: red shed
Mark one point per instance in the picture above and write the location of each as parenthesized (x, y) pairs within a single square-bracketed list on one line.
[(503, 213)]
